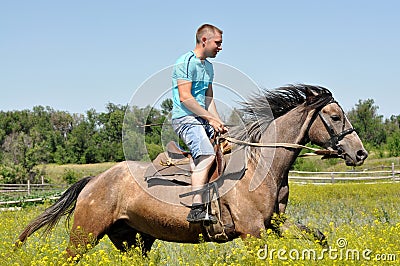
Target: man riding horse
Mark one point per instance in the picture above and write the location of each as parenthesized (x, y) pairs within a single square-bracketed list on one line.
[(194, 115)]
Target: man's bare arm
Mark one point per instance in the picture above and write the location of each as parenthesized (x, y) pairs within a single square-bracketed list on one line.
[(186, 97)]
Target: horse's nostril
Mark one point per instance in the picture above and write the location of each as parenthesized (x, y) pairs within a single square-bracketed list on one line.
[(362, 154)]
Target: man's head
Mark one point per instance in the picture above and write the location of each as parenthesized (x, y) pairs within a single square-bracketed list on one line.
[(209, 38)]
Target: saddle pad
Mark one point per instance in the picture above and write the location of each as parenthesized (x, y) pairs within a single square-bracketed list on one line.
[(159, 173), (179, 174)]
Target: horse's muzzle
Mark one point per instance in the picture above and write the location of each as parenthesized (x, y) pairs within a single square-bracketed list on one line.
[(359, 159)]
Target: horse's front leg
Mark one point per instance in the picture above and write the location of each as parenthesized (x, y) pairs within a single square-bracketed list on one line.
[(252, 229), (280, 206), (283, 195), (303, 231), (247, 222)]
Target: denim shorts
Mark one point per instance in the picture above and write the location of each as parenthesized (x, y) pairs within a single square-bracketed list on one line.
[(196, 133)]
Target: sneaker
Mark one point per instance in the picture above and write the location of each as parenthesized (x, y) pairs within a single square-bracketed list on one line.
[(199, 214)]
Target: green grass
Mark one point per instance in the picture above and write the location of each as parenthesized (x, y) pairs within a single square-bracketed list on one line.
[(54, 172), (365, 217)]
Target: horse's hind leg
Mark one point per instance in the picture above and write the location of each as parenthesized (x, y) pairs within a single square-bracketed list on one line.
[(124, 237), (316, 234), (89, 226)]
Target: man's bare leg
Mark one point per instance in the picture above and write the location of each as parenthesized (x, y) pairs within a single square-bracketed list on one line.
[(200, 172), (200, 175)]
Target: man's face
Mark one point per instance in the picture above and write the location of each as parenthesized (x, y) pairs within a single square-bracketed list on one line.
[(213, 45)]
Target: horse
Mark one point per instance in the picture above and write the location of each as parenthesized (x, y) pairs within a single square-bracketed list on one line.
[(115, 203)]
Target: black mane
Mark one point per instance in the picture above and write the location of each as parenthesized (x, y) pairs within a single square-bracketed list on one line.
[(262, 108)]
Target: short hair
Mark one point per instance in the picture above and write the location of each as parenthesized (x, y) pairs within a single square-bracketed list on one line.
[(206, 28)]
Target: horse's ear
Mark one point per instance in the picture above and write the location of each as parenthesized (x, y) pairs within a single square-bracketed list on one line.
[(311, 96)]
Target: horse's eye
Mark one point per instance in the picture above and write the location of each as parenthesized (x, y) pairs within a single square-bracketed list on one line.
[(335, 118)]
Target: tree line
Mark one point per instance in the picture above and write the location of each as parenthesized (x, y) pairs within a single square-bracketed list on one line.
[(44, 135), (380, 135)]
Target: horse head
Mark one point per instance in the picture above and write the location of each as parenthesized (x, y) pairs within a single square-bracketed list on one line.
[(331, 129)]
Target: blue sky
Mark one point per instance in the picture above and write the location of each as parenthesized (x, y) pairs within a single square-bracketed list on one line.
[(77, 55)]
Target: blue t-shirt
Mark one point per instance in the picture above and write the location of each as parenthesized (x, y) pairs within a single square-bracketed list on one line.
[(200, 73)]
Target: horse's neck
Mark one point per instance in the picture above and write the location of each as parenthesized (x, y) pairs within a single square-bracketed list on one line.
[(273, 164), (292, 127)]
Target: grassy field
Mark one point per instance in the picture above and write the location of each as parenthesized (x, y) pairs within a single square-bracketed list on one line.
[(361, 221), (55, 172)]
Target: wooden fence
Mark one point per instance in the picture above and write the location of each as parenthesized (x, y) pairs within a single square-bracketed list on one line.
[(366, 176), (14, 190), (29, 188)]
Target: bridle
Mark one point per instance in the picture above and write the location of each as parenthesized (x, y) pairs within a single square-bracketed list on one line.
[(335, 138)]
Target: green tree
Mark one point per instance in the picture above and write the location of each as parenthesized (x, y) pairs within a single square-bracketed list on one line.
[(368, 123), (166, 107), (133, 133), (393, 143), (110, 132), (392, 124), (81, 137), (70, 176)]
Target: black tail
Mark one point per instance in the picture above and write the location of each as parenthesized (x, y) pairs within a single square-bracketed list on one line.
[(65, 205)]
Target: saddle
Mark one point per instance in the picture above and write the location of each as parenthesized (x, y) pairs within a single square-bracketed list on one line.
[(172, 167)]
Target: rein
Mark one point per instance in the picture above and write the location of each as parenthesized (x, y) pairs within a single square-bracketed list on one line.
[(316, 151)]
